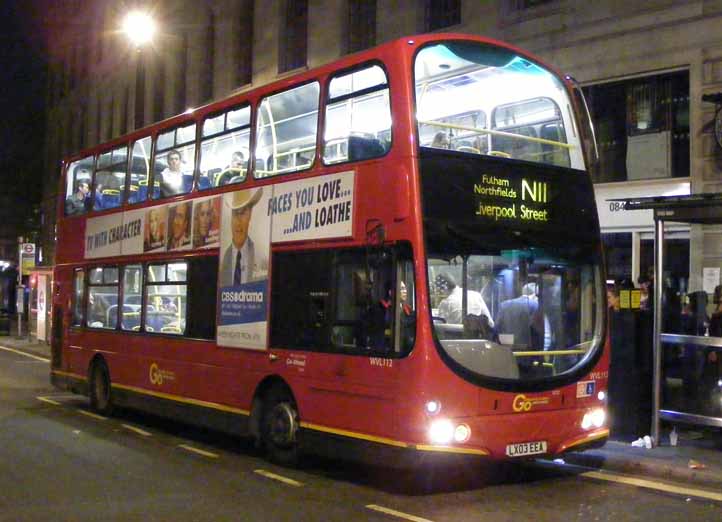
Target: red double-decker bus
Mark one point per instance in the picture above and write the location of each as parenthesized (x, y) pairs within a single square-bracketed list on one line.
[(393, 255)]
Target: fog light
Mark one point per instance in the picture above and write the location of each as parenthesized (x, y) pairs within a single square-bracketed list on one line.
[(433, 407), (441, 431), (462, 433)]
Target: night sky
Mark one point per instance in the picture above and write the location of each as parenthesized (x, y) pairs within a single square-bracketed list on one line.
[(22, 100)]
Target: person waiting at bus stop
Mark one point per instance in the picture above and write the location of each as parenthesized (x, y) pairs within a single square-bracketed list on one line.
[(78, 201)]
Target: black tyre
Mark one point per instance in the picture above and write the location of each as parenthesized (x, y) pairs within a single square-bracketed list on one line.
[(279, 428), (101, 397)]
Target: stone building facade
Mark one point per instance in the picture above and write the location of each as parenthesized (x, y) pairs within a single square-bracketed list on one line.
[(644, 64)]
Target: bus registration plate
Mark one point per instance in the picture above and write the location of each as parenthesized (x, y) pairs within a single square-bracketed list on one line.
[(523, 449)]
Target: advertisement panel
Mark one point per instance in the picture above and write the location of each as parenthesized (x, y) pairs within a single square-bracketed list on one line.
[(315, 208)]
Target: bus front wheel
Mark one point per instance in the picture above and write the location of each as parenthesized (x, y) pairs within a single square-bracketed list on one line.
[(279, 428), (100, 391)]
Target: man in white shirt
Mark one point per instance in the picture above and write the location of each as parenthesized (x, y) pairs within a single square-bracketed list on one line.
[(450, 307), (239, 259), (171, 179)]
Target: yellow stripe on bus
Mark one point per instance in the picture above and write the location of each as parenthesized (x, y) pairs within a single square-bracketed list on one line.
[(392, 442), (161, 395)]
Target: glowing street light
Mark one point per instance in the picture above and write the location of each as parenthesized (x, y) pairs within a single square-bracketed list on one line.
[(139, 27)]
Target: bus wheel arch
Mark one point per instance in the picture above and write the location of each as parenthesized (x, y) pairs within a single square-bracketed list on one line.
[(99, 386), (275, 421)]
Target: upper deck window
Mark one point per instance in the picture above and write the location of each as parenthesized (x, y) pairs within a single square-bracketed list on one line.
[(225, 149), (78, 179), (174, 161), (286, 131), (358, 116), (481, 99), (109, 179), (139, 171)]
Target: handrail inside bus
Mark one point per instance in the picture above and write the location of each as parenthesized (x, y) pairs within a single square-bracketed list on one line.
[(478, 130), (550, 352)]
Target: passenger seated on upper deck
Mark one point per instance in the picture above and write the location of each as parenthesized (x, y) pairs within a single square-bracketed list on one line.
[(235, 169), (171, 179), (77, 202), (441, 141)]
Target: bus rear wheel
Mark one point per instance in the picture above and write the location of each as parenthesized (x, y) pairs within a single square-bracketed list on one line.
[(279, 428), (101, 399)]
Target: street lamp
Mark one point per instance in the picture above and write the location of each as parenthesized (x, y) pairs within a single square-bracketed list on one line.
[(139, 27)]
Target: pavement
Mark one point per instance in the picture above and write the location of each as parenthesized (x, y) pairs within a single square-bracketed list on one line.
[(696, 460)]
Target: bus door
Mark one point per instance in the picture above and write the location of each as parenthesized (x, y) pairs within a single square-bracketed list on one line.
[(354, 309)]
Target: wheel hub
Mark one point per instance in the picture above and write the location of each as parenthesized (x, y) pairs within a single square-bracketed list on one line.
[(283, 425)]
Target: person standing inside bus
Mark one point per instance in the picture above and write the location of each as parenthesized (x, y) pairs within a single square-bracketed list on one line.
[(171, 179), (77, 202), (240, 264), (450, 307)]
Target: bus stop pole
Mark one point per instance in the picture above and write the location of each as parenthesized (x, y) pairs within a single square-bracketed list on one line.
[(657, 328)]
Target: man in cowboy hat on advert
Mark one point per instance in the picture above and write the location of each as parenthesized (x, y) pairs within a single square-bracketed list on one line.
[(240, 263)]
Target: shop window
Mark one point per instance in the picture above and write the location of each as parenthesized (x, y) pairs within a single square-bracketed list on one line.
[(642, 127), (618, 256)]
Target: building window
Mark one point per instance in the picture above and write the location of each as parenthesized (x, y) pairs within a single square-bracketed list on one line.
[(293, 41), (245, 62), (442, 13), (360, 25), (642, 127)]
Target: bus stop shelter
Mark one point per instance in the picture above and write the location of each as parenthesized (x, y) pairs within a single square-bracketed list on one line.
[(686, 360)]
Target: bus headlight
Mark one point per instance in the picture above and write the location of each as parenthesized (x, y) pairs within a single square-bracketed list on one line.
[(441, 431), (594, 419), (601, 396)]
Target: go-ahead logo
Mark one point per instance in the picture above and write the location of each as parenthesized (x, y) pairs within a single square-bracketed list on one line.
[(523, 403), (158, 376)]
